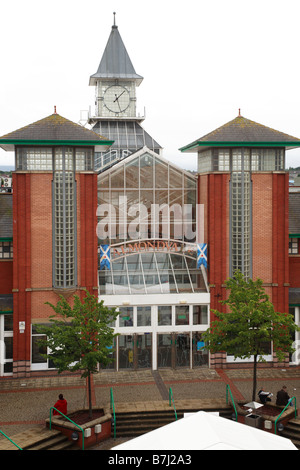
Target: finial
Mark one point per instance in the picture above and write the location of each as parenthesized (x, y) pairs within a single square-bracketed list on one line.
[(114, 18), (54, 109), (239, 111)]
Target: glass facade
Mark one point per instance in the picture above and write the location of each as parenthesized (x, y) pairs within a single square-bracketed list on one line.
[(64, 272), (147, 220), (228, 159), (145, 197), (147, 216)]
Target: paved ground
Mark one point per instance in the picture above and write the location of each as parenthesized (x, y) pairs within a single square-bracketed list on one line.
[(25, 403)]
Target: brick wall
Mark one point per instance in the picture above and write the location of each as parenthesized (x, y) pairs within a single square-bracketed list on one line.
[(262, 226)]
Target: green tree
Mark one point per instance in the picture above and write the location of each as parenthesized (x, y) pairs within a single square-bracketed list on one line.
[(80, 337), (250, 324)]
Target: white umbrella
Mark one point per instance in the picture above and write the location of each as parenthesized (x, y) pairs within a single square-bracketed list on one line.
[(203, 431)]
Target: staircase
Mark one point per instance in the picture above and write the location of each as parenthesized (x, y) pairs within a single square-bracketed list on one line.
[(292, 431), (38, 439), (132, 424)]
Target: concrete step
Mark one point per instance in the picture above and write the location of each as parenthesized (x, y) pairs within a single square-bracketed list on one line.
[(292, 431), (135, 423), (28, 438), (37, 439)]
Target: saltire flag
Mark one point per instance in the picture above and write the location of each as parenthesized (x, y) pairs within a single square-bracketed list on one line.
[(202, 255), (104, 256)]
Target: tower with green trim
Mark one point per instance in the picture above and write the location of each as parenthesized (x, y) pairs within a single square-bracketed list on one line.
[(54, 225), (244, 187)]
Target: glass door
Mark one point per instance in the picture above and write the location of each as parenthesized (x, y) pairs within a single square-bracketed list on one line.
[(182, 343), (6, 344), (295, 357), (144, 351)]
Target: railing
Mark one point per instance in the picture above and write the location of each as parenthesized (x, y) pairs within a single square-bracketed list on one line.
[(171, 399), (228, 390), (52, 408), (112, 406), (20, 448), (289, 404)]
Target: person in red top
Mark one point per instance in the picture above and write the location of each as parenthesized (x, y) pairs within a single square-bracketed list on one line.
[(60, 405)]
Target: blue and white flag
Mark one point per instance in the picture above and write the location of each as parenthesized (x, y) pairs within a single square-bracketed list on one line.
[(202, 254), (104, 256)]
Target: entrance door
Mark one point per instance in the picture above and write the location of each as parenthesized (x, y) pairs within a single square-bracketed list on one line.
[(295, 357), (6, 345)]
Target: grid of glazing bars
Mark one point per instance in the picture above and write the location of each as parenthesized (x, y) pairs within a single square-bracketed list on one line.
[(64, 219)]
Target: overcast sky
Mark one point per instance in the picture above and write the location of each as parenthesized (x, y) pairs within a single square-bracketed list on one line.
[(201, 61)]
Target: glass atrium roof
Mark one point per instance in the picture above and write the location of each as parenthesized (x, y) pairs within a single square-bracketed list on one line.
[(152, 272), (159, 255)]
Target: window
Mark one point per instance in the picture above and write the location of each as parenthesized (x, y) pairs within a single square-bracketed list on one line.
[(34, 158), (224, 160), (64, 219), (6, 249), (143, 316), (204, 161), (200, 315), (126, 316), (164, 315), (293, 246)]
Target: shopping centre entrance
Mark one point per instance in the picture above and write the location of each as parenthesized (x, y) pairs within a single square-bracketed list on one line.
[(160, 336)]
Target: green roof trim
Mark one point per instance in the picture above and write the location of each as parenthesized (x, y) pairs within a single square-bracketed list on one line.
[(239, 144), (294, 235), (6, 239)]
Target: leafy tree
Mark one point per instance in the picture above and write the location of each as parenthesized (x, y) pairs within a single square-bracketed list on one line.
[(80, 337), (250, 324)]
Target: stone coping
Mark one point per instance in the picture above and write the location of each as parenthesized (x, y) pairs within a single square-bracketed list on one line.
[(64, 423)]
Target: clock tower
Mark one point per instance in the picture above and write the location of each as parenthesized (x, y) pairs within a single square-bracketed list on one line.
[(116, 116)]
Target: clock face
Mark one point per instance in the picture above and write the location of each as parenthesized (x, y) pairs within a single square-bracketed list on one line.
[(116, 99)]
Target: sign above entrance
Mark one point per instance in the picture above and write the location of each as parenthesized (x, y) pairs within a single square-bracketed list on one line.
[(166, 246), (119, 250)]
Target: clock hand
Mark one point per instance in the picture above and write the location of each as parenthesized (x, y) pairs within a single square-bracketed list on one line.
[(117, 97)]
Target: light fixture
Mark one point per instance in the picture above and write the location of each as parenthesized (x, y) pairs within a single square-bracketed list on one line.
[(280, 427), (182, 301), (74, 436), (126, 302)]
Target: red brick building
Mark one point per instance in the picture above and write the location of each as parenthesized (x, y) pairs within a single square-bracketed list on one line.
[(49, 244), (244, 187), (50, 218)]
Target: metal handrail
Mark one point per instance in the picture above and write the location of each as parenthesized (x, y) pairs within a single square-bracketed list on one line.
[(171, 398), (229, 390), (20, 448), (112, 405), (52, 408), (288, 404)]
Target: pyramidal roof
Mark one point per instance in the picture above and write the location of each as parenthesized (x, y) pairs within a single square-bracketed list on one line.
[(243, 132), (115, 62), (52, 130)]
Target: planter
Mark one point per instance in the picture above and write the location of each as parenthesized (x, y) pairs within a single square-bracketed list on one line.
[(96, 430), (264, 417)]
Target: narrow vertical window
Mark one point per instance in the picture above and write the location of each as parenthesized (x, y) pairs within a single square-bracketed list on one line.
[(64, 219)]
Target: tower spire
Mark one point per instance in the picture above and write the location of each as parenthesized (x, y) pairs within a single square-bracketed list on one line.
[(114, 18)]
